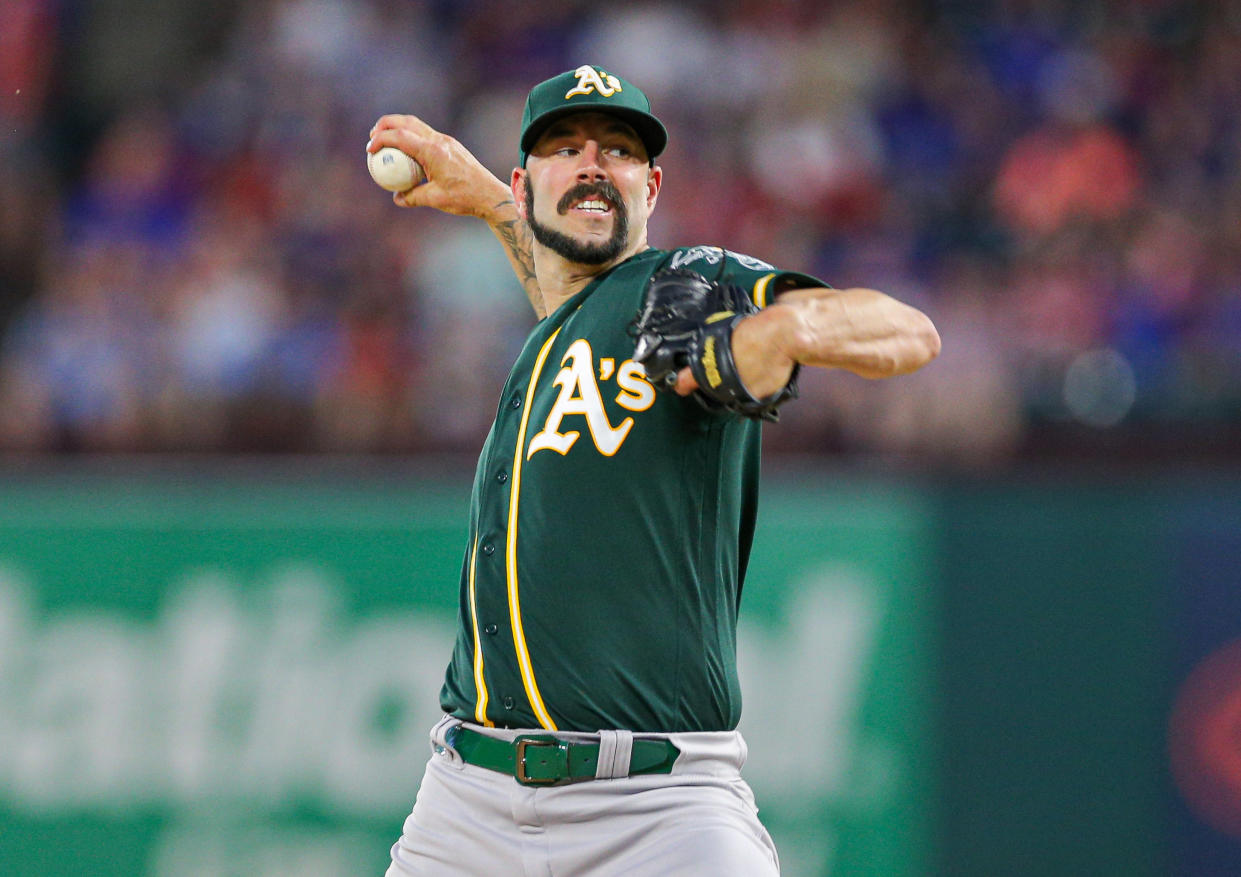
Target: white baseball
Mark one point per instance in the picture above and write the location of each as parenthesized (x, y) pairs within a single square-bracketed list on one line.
[(394, 170)]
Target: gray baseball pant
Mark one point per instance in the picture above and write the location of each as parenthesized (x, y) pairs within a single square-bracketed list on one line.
[(698, 821)]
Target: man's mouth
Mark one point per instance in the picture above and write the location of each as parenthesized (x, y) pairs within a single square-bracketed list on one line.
[(598, 199), (593, 206)]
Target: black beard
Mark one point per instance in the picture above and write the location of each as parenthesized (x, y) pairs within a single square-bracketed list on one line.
[(572, 250)]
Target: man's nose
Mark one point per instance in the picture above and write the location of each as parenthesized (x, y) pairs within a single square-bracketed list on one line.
[(590, 170)]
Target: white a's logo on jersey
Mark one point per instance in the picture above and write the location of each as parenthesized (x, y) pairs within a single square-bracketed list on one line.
[(589, 79), (580, 394)]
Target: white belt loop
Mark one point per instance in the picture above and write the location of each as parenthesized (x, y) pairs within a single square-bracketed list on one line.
[(439, 739), (615, 749)]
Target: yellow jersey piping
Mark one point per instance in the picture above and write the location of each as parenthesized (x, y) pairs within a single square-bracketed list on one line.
[(480, 683), (510, 553), (760, 290)]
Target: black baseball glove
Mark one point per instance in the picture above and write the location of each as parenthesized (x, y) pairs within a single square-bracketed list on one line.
[(687, 320)]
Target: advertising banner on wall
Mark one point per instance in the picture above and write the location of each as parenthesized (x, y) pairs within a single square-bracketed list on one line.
[(228, 675), (1204, 725)]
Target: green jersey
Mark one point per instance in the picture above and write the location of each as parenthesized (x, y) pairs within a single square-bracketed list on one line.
[(609, 529)]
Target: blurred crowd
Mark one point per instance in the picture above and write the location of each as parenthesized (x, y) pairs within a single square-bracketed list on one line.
[(193, 258)]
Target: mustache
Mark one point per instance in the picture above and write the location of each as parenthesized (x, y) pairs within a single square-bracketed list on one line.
[(603, 190)]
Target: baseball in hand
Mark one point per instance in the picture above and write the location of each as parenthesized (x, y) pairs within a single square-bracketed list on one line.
[(394, 170)]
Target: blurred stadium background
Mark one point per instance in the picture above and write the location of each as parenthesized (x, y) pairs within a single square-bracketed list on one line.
[(240, 391)]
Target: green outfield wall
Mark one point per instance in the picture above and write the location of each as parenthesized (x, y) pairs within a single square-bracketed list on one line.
[(232, 672), (229, 670)]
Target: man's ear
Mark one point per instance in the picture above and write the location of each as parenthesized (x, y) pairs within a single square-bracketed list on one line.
[(654, 179), (518, 186)]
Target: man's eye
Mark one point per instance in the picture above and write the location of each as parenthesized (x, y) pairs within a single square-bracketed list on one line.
[(566, 150), (619, 151)]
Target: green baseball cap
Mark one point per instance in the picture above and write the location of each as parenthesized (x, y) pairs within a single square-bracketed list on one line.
[(589, 89)]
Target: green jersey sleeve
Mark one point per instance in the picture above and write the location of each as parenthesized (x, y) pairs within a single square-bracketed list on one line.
[(762, 280)]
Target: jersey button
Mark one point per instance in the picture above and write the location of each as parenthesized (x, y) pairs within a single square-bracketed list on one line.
[(488, 549), (515, 402), (491, 629), (509, 703), (502, 477)]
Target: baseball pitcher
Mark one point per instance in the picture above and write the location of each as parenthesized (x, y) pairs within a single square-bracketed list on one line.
[(591, 701)]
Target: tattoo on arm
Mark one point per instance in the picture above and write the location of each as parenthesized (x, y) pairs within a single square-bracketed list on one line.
[(518, 243)]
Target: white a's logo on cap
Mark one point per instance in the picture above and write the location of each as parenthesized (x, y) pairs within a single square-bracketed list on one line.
[(589, 79)]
